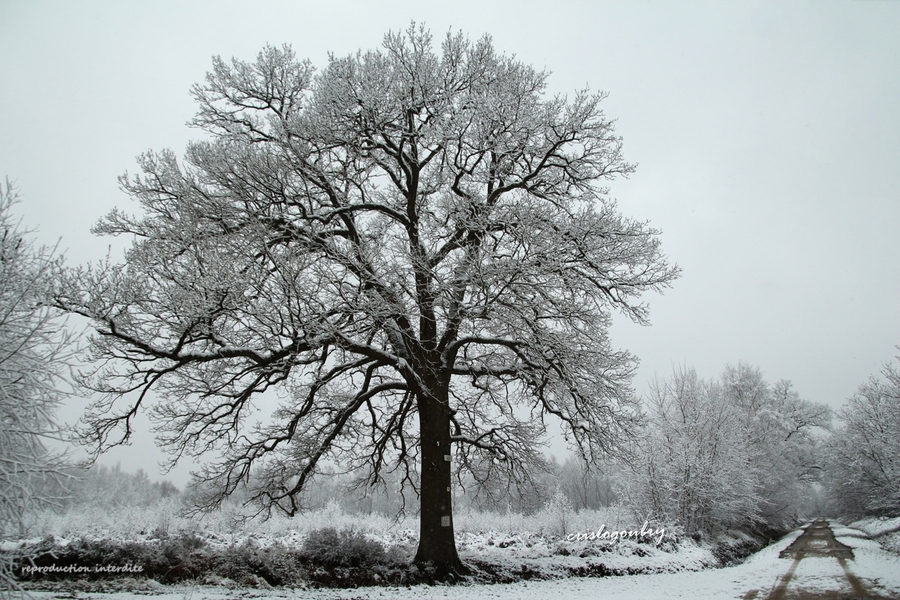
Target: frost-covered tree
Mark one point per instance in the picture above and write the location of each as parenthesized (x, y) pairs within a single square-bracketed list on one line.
[(34, 357), (864, 454), (785, 433), (693, 466), (415, 247), (733, 452), (587, 486)]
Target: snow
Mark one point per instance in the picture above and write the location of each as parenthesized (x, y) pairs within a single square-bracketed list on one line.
[(875, 526), (886, 531), (821, 575), (878, 570), (535, 553), (871, 562)]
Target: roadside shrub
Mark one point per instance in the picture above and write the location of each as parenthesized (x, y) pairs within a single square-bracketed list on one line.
[(556, 516), (248, 564), (329, 547), (174, 559)]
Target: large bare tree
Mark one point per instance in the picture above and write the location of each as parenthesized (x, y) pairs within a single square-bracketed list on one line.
[(415, 246)]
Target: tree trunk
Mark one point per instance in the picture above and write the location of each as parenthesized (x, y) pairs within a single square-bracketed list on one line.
[(437, 545)]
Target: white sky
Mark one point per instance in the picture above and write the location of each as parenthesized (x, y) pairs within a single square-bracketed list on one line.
[(767, 136)]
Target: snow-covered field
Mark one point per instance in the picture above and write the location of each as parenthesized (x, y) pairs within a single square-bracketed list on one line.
[(683, 570), (500, 547)]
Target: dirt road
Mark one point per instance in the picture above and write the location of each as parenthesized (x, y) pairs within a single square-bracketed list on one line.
[(819, 570)]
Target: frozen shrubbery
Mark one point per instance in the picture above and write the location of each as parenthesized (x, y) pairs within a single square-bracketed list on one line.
[(345, 548), (329, 547), (97, 521), (328, 557), (554, 521), (249, 564), (225, 547), (332, 547), (557, 516)]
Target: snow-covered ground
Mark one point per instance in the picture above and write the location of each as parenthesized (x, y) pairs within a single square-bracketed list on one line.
[(878, 570), (886, 531)]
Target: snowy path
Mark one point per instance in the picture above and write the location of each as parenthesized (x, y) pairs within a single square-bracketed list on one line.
[(814, 573), (819, 568)]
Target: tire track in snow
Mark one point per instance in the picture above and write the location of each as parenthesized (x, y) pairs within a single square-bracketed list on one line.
[(817, 540), (778, 593)]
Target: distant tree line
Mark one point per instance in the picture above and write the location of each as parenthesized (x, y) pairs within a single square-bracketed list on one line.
[(105, 486)]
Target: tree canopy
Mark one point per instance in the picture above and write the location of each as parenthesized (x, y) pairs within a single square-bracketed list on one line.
[(416, 247), (727, 453), (864, 452)]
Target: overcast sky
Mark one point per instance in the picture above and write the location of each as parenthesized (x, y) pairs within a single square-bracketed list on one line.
[(767, 137)]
